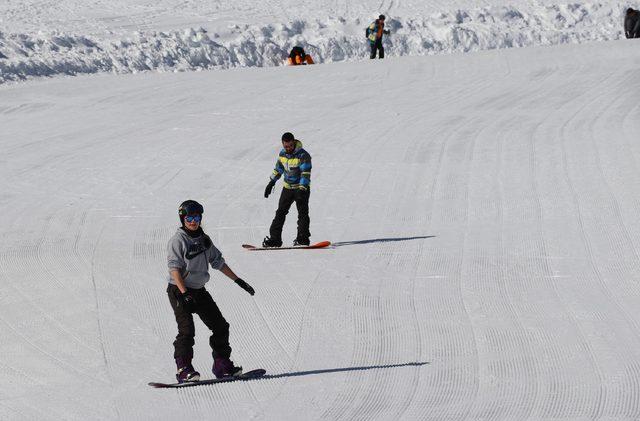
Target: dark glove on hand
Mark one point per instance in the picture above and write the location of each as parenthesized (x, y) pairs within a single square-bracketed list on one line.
[(269, 188), (386, 31), (187, 302), (242, 284)]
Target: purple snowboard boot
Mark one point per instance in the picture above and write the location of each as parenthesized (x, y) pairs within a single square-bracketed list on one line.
[(186, 372), (224, 367)]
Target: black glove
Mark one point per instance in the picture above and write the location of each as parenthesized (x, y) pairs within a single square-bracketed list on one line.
[(386, 32), (242, 284), (269, 188), (187, 302)]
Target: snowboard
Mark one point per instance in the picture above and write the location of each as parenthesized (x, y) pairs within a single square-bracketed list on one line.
[(320, 245), (249, 375)]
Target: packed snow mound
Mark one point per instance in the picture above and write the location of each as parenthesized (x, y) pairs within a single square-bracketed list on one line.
[(24, 56)]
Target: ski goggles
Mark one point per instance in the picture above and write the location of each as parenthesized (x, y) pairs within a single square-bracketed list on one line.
[(193, 218)]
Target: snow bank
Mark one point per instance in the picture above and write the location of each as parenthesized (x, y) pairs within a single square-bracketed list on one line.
[(24, 56)]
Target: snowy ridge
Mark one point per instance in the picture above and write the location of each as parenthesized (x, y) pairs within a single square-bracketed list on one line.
[(24, 56)]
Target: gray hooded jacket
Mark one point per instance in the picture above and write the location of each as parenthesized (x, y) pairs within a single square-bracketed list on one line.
[(192, 256)]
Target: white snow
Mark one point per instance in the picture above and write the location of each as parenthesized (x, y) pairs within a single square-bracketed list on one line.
[(483, 208), (124, 37)]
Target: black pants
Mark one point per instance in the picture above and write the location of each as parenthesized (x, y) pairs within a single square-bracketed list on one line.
[(377, 46), (209, 313), (287, 197)]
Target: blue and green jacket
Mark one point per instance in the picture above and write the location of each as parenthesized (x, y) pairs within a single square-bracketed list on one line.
[(296, 168)]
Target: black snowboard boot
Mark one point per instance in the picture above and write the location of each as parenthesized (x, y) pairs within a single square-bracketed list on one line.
[(271, 242)]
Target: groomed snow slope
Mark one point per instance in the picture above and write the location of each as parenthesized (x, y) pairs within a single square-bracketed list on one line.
[(49, 38), (484, 209)]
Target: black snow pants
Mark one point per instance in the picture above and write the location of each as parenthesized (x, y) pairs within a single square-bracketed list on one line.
[(287, 197), (632, 25), (377, 46), (210, 315)]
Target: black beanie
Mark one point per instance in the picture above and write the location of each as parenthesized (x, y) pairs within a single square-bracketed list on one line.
[(288, 137)]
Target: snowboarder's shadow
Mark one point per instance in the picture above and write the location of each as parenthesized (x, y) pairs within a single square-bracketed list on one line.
[(339, 370), (380, 240)]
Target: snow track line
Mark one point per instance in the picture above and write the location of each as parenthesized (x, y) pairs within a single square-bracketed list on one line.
[(41, 350), (535, 189), (368, 395), (40, 256), (402, 409), (630, 405), (151, 252), (105, 360), (489, 266), (532, 368), (296, 356), (467, 154), (588, 243), (588, 351), (415, 381), (436, 187), (61, 328), (432, 182), (559, 387), (54, 322), (12, 410), (503, 387), (624, 154), (340, 408), (22, 375), (33, 411), (445, 185), (539, 214)]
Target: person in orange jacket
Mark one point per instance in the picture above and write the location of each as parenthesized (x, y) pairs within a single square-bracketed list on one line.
[(297, 57)]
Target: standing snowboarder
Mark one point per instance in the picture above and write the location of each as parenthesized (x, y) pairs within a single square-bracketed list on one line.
[(374, 33), (190, 252), (295, 163)]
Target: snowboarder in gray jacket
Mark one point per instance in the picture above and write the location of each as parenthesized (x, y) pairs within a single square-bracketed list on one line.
[(189, 253)]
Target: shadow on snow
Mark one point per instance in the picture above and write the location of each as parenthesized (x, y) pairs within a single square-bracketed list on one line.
[(340, 370), (380, 240)]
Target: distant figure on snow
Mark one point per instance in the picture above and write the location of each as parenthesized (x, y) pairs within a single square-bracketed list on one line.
[(298, 57), (632, 23), (295, 164), (374, 33)]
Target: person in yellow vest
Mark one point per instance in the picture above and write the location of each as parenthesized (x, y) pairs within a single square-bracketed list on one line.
[(374, 33), (297, 57)]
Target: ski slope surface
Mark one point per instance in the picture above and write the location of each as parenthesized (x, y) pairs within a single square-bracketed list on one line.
[(483, 209)]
